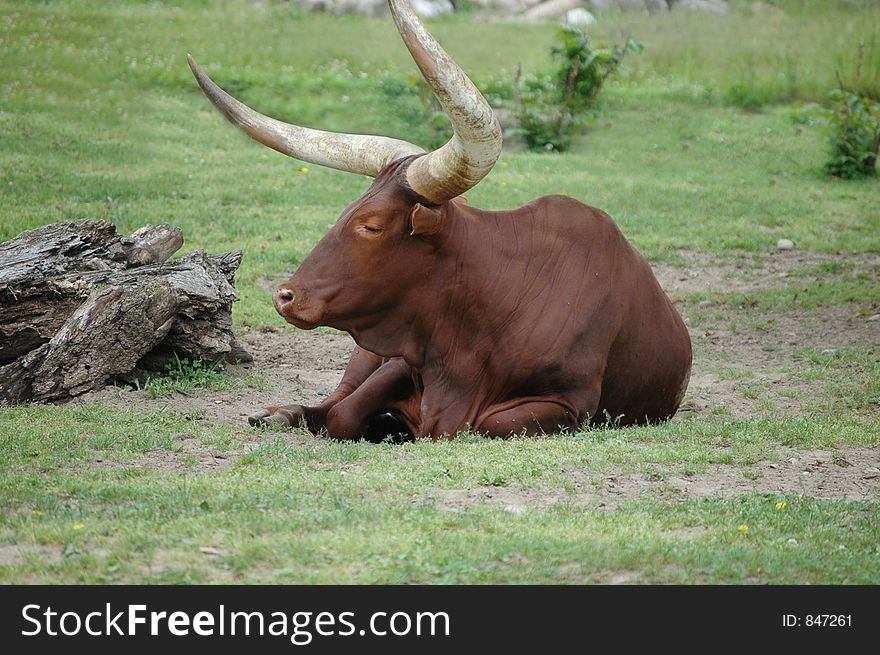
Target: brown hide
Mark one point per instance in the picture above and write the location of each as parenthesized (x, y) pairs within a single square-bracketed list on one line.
[(530, 320)]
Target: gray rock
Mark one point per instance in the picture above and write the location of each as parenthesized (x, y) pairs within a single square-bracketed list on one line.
[(652, 6), (510, 7), (785, 244), (717, 7), (379, 8), (432, 8)]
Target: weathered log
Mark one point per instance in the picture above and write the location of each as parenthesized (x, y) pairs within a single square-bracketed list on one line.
[(38, 274), (80, 304)]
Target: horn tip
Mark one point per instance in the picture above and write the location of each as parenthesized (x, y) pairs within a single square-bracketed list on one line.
[(192, 63)]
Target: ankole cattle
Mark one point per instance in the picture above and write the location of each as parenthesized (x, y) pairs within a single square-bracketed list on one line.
[(529, 320)]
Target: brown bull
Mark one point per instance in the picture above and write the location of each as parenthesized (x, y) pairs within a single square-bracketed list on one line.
[(531, 320)]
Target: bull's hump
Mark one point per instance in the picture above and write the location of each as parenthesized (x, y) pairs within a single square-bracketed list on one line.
[(555, 214)]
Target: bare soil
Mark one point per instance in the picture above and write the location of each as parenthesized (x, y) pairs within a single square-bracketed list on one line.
[(295, 366), (16, 554), (303, 367), (846, 472), (704, 273)]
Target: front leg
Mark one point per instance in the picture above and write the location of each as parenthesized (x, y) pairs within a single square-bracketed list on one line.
[(391, 388), (361, 366)]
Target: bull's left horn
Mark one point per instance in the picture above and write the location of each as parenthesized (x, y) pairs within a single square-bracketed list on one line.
[(476, 145), (354, 153)]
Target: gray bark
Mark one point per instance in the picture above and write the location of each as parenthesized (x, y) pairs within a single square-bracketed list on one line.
[(80, 304)]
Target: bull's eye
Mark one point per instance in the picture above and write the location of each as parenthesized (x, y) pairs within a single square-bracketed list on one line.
[(367, 230)]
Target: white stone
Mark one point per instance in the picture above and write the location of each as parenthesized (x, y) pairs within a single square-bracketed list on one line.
[(379, 8), (432, 8), (579, 17), (652, 6), (550, 10)]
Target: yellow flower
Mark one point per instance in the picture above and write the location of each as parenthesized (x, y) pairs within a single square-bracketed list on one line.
[(36, 512), (303, 169), (79, 526), (743, 529), (264, 157), (780, 505)]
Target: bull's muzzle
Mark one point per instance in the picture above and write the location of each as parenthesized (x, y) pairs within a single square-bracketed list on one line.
[(283, 298), (297, 309)]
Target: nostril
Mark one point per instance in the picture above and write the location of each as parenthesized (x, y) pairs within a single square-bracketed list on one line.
[(285, 295)]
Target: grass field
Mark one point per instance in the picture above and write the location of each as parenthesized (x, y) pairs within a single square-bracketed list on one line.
[(697, 157)]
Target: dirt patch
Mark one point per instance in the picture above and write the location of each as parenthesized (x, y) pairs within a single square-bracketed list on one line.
[(736, 368), (848, 473), (290, 366), (704, 273), (744, 360), (17, 554), (510, 499), (192, 457)]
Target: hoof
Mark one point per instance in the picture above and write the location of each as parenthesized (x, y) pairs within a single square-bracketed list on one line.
[(257, 418), (263, 417)]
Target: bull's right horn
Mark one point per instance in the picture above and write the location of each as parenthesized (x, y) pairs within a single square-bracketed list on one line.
[(476, 145)]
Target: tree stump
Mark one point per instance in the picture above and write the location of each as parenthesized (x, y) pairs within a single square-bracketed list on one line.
[(80, 304)]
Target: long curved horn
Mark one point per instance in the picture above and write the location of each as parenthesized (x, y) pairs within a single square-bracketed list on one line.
[(476, 145), (355, 153)]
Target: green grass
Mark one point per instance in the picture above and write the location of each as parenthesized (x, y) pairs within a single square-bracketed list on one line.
[(763, 52), (99, 118), (297, 509)]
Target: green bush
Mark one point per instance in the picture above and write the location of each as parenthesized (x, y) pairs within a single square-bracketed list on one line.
[(854, 129), (555, 107)]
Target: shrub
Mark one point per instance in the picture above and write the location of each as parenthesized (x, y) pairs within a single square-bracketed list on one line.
[(854, 129), (555, 107)]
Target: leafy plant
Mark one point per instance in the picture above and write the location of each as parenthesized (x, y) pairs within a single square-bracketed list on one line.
[(555, 107), (184, 376), (854, 129)]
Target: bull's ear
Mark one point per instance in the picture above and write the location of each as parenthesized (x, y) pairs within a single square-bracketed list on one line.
[(425, 221)]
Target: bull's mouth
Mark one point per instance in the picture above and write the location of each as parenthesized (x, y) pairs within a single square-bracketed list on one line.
[(301, 324)]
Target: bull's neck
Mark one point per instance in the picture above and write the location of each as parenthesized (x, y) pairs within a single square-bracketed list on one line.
[(449, 313), (398, 332)]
